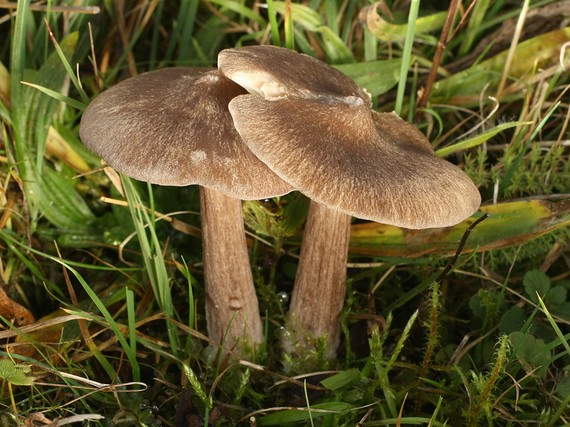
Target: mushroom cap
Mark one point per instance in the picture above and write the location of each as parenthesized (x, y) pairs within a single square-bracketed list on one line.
[(173, 127), (275, 72), (370, 165)]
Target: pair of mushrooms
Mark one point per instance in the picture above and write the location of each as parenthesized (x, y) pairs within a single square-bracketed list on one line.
[(266, 122)]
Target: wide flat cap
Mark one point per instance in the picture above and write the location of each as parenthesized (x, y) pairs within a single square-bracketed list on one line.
[(370, 165), (173, 127)]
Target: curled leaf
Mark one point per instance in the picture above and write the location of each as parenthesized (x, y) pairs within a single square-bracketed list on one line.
[(390, 32)]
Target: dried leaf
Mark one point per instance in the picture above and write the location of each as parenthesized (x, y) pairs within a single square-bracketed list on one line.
[(518, 222), (4, 84), (14, 312), (60, 148), (48, 333)]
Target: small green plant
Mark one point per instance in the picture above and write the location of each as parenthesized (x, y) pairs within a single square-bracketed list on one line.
[(482, 386)]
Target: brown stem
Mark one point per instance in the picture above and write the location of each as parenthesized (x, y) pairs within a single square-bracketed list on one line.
[(231, 302), (320, 286)]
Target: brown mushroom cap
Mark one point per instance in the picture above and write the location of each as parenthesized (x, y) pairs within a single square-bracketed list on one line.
[(370, 165), (172, 127), (274, 72)]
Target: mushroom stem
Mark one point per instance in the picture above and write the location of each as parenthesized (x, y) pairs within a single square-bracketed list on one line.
[(320, 286), (232, 312)]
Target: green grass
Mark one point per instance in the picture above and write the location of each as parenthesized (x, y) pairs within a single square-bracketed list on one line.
[(111, 268)]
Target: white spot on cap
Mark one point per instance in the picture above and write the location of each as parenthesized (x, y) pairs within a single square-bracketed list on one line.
[(198, 156), (353, 101), (209, 78)]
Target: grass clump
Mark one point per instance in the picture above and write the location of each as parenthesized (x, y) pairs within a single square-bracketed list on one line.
[(102, 294)]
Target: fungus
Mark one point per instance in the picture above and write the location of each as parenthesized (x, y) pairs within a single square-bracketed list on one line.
[(315, 128), (172, 127)]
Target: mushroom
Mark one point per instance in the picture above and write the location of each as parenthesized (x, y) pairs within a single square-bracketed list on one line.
[(320, 135), (172, 127)]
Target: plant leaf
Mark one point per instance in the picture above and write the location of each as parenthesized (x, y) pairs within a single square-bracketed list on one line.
[(377, 77), (16, 374), (478, 139), (465, 88), (518, 221), (60, 203), (532, 352), (302, 414), (536, 282), (341, 379)]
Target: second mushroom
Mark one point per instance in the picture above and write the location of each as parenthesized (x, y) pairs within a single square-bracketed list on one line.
[(172, 127), (314, 127)]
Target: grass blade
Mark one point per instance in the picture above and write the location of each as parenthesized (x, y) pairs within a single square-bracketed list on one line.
[(406, 55)]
